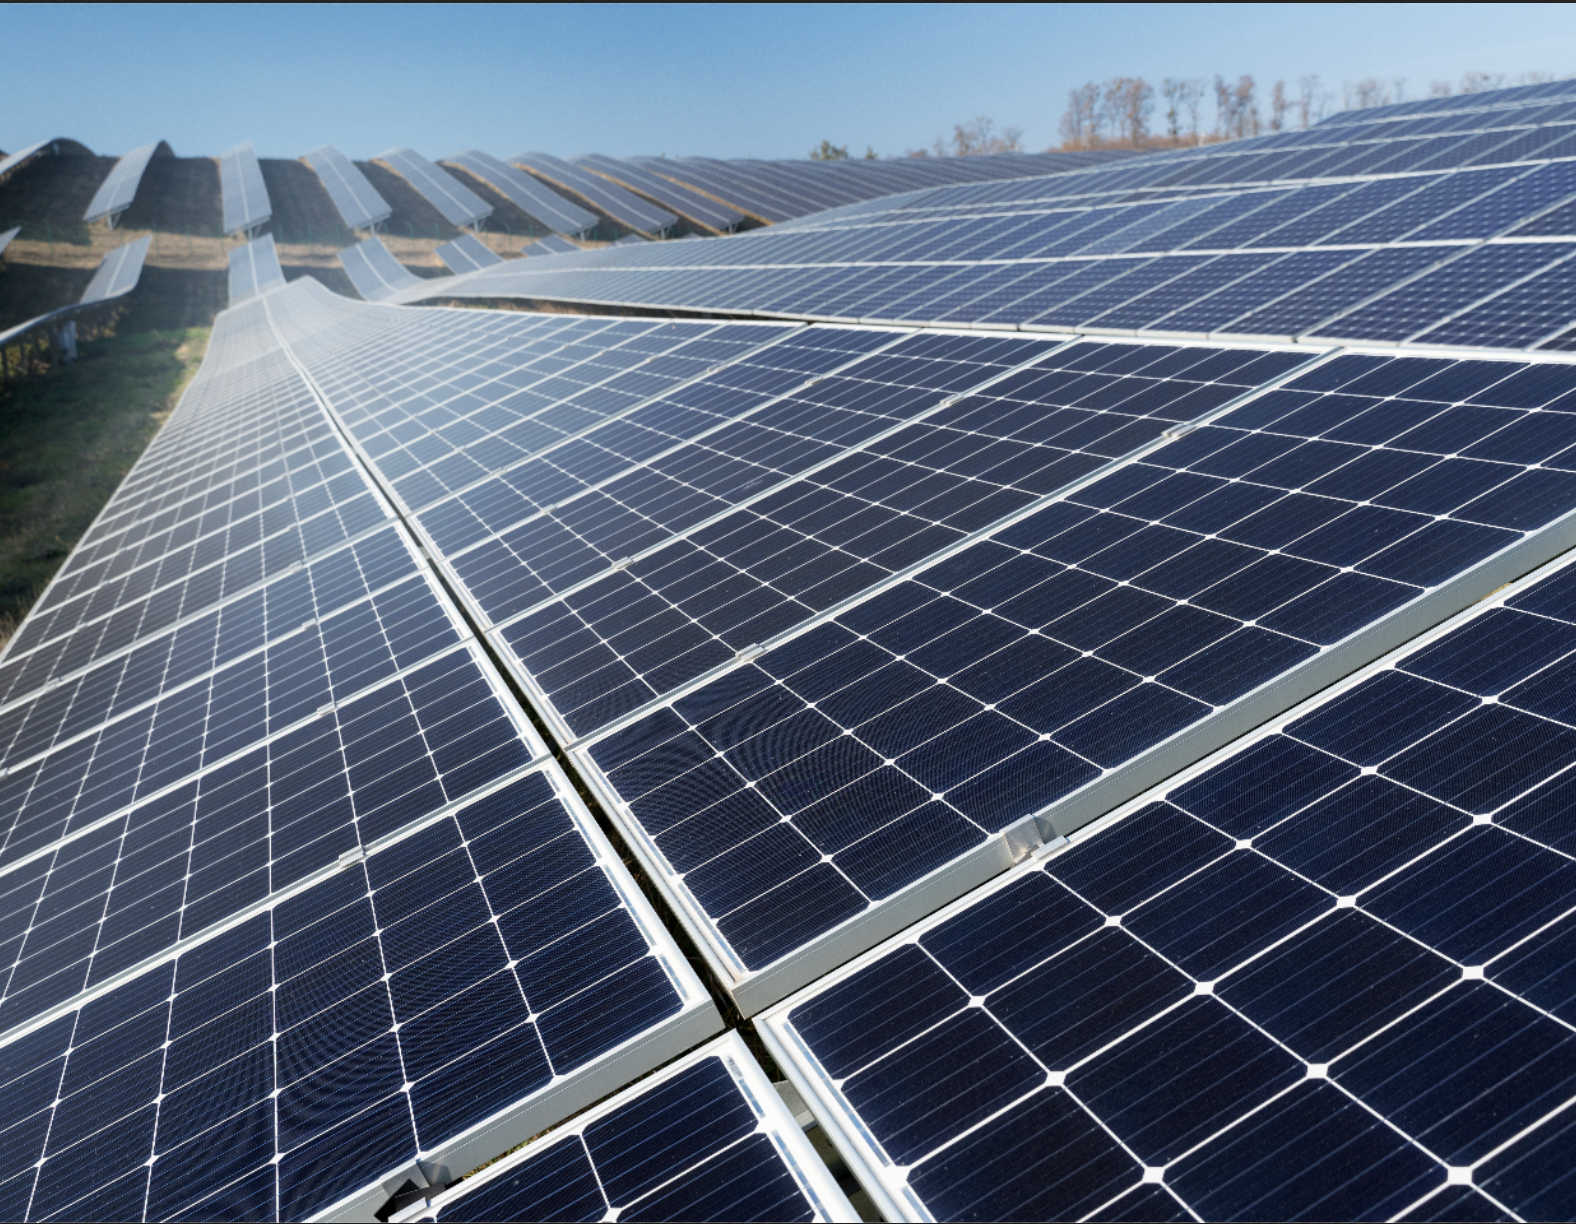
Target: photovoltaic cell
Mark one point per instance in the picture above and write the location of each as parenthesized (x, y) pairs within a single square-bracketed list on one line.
[(707, 1138), (1271, 988), (116, 192), (854, 759), (374, 271), (245, 197), (357, 201)]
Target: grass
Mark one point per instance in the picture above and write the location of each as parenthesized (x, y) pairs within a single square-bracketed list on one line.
[(67, 439)]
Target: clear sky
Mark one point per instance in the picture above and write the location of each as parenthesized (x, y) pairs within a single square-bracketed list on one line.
[(724, 80)]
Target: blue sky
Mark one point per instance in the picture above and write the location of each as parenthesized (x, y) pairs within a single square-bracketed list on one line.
[(726, 80)]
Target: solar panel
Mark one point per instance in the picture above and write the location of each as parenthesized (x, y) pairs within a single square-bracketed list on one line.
[(116, 192), (457, 202), (246, 203), (118, 273), (538, 202), (1268, 987), (1227, 570), (290, 890), (254, 269), (1086, 243), (374, 271), (600, 193), (550, 245), (687, 202), (707, 1138), (466, 254), (358, 202), (7, 235)]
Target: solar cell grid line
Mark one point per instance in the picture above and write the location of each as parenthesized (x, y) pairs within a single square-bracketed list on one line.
[(700, 593), (550, 245), (636, 488), (245, 198), (374, 271), (196, 645), (1447, 193), (561, 410), (1524, 315), (414, 1007), (188, 850), (686, 201), (119, 188), (1145, 310), (254, 269), (459, 205), (621, 205), (1444, 291), (1193, 592), (1331, 282), (705, 1138), (1403, 827), (1529, 195), (736, 583), (537, 201), (357, 201), (119, 272), (466, 254), (319, 513), (41, 622)]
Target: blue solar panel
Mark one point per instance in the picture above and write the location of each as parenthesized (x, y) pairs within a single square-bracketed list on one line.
[(1326, 975), (405, 1004), (706, 1139), (1024, 673)]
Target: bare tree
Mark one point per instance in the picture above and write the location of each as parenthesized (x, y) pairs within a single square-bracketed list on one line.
[(829, 152), (1236, 109), (1280, 104), (1128, 103), (1313, 100), (1534, 78), (1481, 82), (979, 136), (1439, 89), (1368, 92), (1080, 122), (1192, 98)]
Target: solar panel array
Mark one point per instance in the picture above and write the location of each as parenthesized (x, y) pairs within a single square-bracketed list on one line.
[(601, 193), (529, 195), (119, 189), (245, 197), (1326, 974), (254, 269), (1353, 232), (1125, 774), (117, 275), (466, 254), (707, 1139), (685, 201), (550, 245), (374, 271), (287, 873), (457, 202), (357, 201)]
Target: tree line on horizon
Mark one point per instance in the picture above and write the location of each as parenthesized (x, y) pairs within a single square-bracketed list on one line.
[(1120, 113)]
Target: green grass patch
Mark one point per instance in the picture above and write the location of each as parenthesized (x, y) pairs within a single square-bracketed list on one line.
[(67, 440)]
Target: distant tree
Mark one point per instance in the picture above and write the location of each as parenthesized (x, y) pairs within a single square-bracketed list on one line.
[(1439, 89), (1128, 103), (870, 153), (1080, 124), (1236, 109), (1280, 106), (1363, 94), (1313, 100), (979, 136), (1481, 82), (829, 152)]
